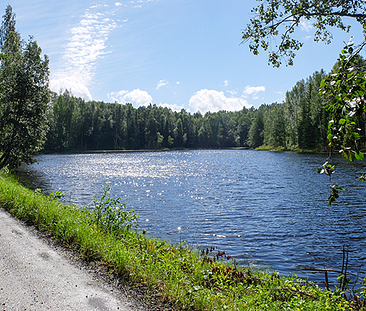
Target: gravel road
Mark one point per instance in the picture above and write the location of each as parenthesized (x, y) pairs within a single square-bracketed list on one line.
[(35, 276)]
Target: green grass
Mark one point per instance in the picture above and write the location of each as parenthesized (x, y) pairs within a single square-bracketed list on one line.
[(294, 148), (185, 277), (270, 148)]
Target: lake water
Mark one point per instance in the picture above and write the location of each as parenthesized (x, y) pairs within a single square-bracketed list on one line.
[(266, 209)]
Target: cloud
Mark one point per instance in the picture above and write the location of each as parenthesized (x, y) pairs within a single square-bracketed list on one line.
[(306, 25), (233, 92), (226, 83), (136, 97), (173, 107), (213, 101), (77, 88), (161, 83), (253, 90), (87, 44), (118, 3)]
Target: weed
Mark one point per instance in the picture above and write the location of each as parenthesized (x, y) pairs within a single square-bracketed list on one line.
[(110, 214)]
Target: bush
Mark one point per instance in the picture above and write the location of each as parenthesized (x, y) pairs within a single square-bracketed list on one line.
[(111, 215)]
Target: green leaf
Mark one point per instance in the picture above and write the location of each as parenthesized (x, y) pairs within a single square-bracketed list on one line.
[(342, 121), (359, 156)]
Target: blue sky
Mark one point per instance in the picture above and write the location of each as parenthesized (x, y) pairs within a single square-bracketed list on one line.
[(176, 53)]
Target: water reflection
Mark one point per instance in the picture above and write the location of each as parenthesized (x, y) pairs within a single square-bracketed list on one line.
[(264, 208)]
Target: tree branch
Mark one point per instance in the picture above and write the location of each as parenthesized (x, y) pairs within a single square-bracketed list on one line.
[(355, 53)]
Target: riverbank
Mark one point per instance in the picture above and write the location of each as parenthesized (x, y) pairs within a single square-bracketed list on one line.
[(36, 274), (184, 278), (77, 151), (294, 149)]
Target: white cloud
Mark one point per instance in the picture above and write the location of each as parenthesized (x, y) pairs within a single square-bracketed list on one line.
[(253, 90), (118, 3), (177, 82), (86, 46), (173, 107), (136, 97), (213, 101), (306, 25), (232, 92), (161, 83), (77, 88), (226, 83)]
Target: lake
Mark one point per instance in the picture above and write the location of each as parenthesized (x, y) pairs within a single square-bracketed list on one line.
[(266, 209)]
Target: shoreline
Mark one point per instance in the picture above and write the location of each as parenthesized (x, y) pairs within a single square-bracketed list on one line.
[(261, 148), (137, 150), (37, 272), (178, 276)]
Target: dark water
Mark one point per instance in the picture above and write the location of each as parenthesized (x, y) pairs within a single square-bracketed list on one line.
[(266, 209)]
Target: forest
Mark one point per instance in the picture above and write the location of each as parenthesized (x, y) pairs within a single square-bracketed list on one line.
[(299, 122)]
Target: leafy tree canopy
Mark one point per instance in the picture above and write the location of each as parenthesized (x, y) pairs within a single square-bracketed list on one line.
[(345, 88), (24, 95), (279, 19)]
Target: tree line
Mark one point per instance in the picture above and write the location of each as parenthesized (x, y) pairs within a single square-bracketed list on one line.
[(301, 121), (79, 125)]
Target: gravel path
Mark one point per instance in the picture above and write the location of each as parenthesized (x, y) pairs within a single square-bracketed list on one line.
[(35, 276)]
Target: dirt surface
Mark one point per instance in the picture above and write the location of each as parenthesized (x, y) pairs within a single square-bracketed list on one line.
[(36, 274)]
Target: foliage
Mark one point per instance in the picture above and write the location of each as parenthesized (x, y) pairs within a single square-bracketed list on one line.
[(56, 195), (111, 215), (300, 122), (328, 170), (79, 125), (53, 195), (256, 130), (182, 278), (280, 18), (24, 96), (345, 89)]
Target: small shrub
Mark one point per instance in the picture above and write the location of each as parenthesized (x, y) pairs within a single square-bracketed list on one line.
[(111, 215), (56, 195)]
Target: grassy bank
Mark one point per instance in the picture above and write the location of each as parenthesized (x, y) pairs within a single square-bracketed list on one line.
[(186, 278), (295, 149)]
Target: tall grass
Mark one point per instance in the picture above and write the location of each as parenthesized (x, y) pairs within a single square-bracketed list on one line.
[(185, 277)]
